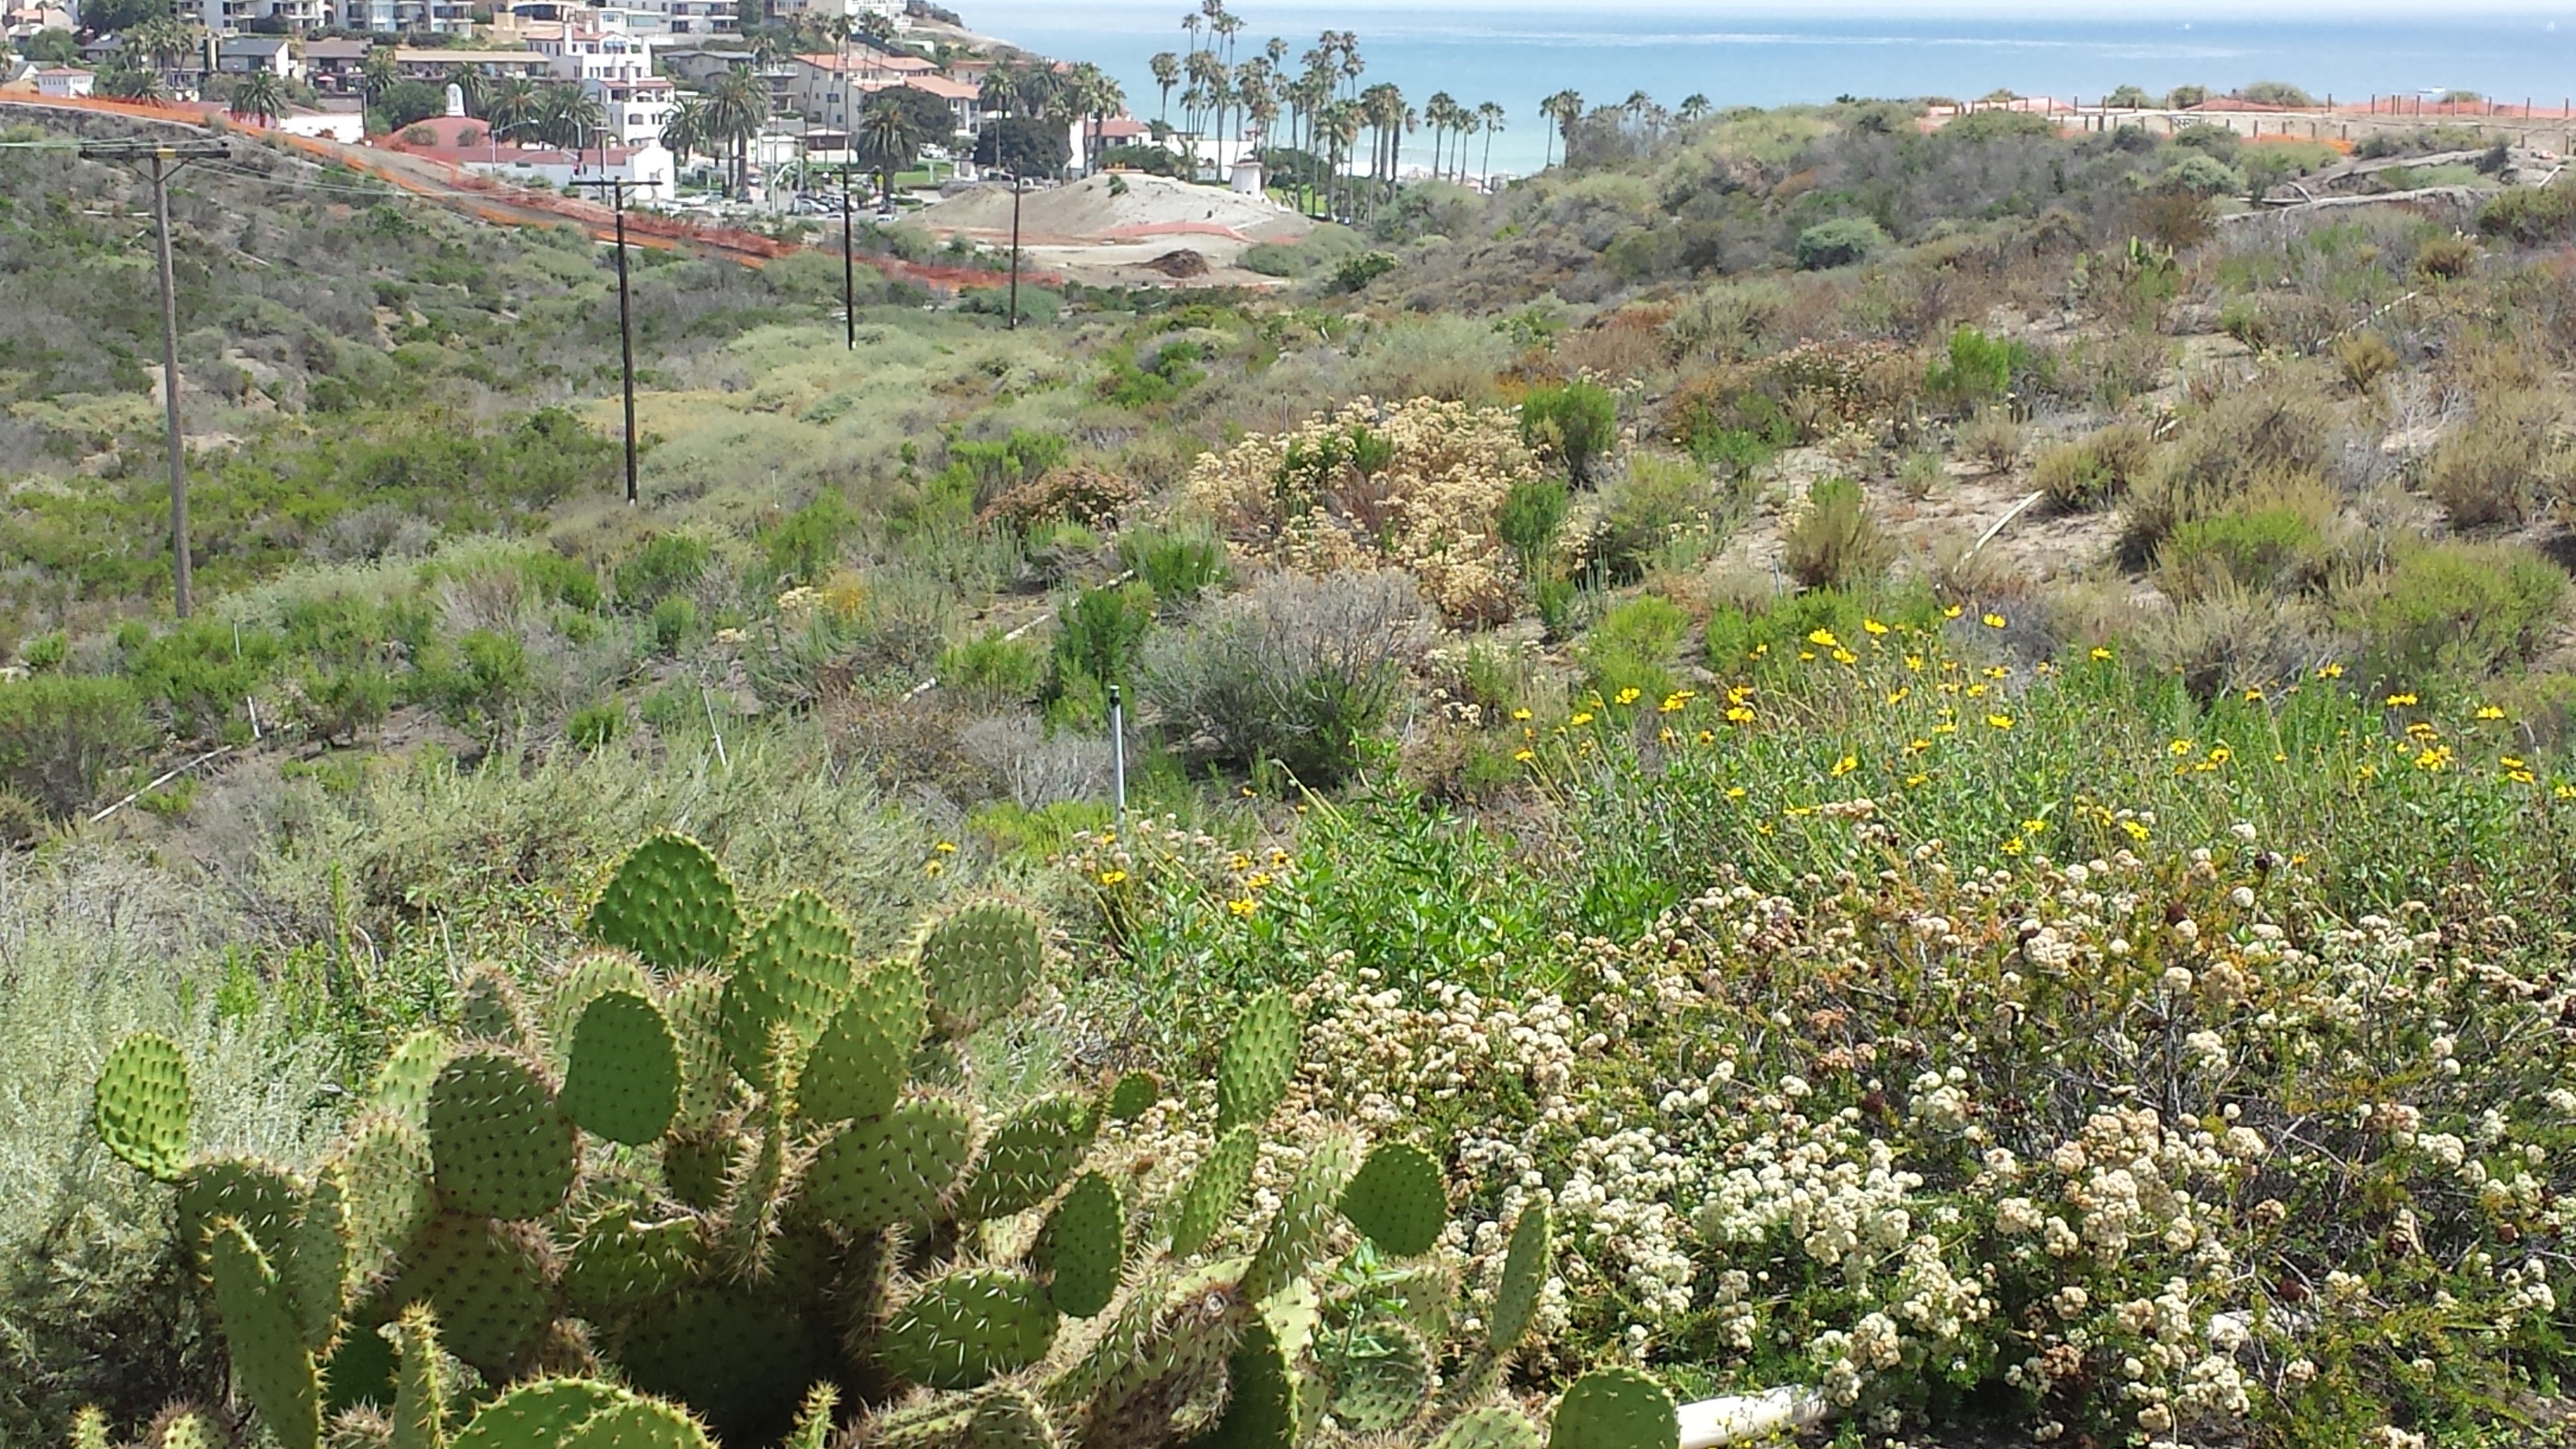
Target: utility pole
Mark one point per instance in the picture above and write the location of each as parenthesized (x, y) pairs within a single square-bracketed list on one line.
[(849, 285), (1015, 249), (167, 157), (616, 185)]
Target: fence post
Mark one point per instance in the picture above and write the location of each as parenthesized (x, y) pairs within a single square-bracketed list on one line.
[(1118, 752)]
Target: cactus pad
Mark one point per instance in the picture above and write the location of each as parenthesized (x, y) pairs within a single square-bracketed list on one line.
[(1085, 1246), (694, 1008), (1615, 1408), (1258, 1059), (694, 1165), (592, 974), (420, 1388), (1494, 1427), (966, 1328), (860, 1062), (315, 1266), (489, 1282), (184, 1429), (269, 1356), (540, 1415), (499, 1144), (638, 1424), (89, 1428), (793, 970), (143, 1105), (383, 1170), (1142, 1388), (490, 1008), (670, 904), (1027, 1158), (1525, 1270), (1131, 1096), (741, 1358), (980, 962), (622, 1081), (1397, 1199), (892, 1171), (1006, 1416), (1215, 1190), (1296, 1235), (1381, 1382), (402, 1084), (1260, 1399), (262, 1197), (618, 1263)]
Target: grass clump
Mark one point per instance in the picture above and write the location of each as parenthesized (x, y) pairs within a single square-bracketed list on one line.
[(1836, 542), (2094, 470)]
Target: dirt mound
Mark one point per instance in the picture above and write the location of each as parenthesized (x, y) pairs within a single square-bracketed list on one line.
[(1121, 206), (1181, 263)]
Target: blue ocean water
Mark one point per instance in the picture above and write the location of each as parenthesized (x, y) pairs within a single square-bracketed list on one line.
[(1515, 56)]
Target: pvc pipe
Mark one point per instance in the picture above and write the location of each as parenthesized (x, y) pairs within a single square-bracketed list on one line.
[(1738, 1417)]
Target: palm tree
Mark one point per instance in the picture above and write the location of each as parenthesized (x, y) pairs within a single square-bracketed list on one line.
[(378, 73), (566, 115), (1490, 117), (1695, 109), (474, 83), (1439, 112), (1565, 108), (511, 109), (1341, 123), (1467, 126), (1167, 74), (737, 105), (260, 96), (687, 132), (132, 82), (885, 141)]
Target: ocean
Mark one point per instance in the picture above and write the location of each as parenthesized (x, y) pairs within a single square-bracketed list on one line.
[(1514, 57)]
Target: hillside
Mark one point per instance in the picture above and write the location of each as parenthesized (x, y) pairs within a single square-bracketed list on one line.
[(1920, 765)]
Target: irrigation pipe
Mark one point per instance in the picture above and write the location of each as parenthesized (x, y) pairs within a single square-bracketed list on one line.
[(164, 778), (1988, 536), (1739, 1417)]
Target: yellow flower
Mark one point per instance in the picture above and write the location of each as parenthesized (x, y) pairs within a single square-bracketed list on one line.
[(1952, 612), (1113, 877), (1976, 691), (1243, 907), (2220, 754), (2101, 655), (2490, 711), (2137, 831), (2400, 701), (2510, 762), (945, 848), (1734, 792), (2564, 791), (2329, 671), (1520, 714), (1916, 747), (1898, 694), (1914, 781), (1583, 717), (1277, 856), (2253, 695), (1823, 638), (1524, 756), (1708, 737), (1872, 626), (1241, 861), (1846, 765), (1678, 699), (2000, 721), (1845, 656), (2013, 846), (1997, 671), (1629, 695), (1806, 656), (1946, 727), (2434, 758), (2520, 777), (1738, 714), (1914, 662), (1993, 621), (1256, 881), (2033, 827), (2180, 748), (933, 867)]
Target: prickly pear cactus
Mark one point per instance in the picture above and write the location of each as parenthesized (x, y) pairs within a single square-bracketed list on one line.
[(1260, 1399), (144, 1105), (792, 973), (402, 1084), (618, 1264), (1027, 1158), (263, 1197), (1217, 1188), (1132, 1096), (1397, 1199), (1305, 1214), (1526, 1263), (1380, 1382), (622, 1080), (89, 1428), (491, 1284), (893, 1171), (420, 1388), (270, 1358), (1084, 1246), (1615, 1408), (669, 903), (499, 1144), (980, 962), (1258, 1060), (962, 1330), (859, 1064), (1492, 1427), (491, 1008)]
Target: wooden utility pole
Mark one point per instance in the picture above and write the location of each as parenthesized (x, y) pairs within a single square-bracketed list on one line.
[(166, 158), (616, 185), (849, 269), (1015, 249)]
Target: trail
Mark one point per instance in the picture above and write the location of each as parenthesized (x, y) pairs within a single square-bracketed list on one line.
[(499, 204)]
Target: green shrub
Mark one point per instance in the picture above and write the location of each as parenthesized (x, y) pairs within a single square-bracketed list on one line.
[(1836, 543), (991, 669), (1976, 368), (338, 702), (2461, 612), (2258, 550), (46, 651), (61, 734), (2531, 215), (1177, 563), (805, 546), (596, 724), (1357, 272), (666, 564), (672, 622), (1532, 513), (1993, 437), (202, 671), (2507, 465), (1645, 511), (1558, 601), (2272, 432), (1839, 243), (1299, 671), (567, 581), (1576, 424), (2196, 173), (496, 668), (2094, 470), (1631, 647), (1099, 634), (1037, 304)]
